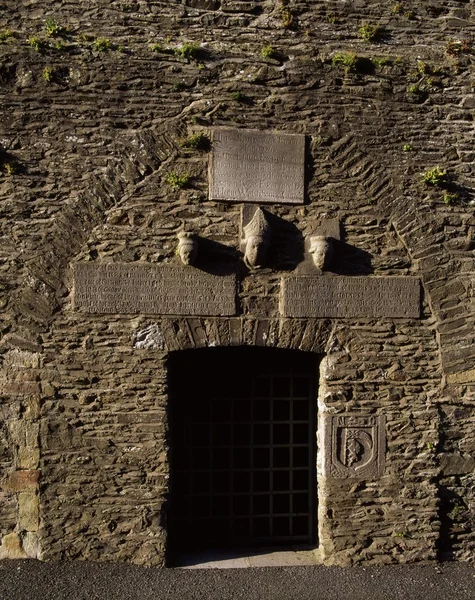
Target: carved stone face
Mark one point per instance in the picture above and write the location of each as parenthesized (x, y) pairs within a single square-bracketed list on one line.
[(321, 250), (187, 248), (188, 253), (256, 251)]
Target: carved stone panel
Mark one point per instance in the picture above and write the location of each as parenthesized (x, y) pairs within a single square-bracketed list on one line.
[(354, 446), (257, 166), (350, 297), (152, 290)]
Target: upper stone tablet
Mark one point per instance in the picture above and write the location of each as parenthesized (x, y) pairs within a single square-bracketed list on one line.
[(257, 166)]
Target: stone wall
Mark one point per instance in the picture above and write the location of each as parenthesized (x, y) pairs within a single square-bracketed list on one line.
[(95, 116)]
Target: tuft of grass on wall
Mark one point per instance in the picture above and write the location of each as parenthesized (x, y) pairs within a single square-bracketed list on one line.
[(189, 51), (371, 32), (268, 51), (197, 141), (347, 60), (102, 44), (177, 180)]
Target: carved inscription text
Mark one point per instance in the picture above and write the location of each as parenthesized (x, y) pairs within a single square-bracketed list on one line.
[(350, 297), (257, 166), (152, 290)]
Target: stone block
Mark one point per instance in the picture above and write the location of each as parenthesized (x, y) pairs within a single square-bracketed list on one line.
[(19, 481), (257, 166), (460, 378), (28, 511), (353, 446), (152, 290), (31, 544), (455, 464), (350, 297), (11, 547)]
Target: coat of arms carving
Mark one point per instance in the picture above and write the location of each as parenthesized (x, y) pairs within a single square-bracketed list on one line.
[(354, 446)]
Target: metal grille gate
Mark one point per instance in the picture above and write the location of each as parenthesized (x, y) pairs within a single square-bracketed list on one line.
[(242, 426)]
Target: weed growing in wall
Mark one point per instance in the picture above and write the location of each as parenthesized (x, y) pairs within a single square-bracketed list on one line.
[(188, 51), (400, 9), (382, 61), (347, 60), (371, 33), (52, 29), (6, 36), (458, 511), (268, 51), (102, 44), (48, 74), (451, 198), (197, 141), (286, 16), (85, 37), (436, 177), (10, 168), (417, 93), (36, 43), (178, 180)]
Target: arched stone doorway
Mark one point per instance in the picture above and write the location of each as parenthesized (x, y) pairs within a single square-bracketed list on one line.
[(243, 448)]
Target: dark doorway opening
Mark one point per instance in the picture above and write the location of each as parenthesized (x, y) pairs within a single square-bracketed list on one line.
[(243, 449)]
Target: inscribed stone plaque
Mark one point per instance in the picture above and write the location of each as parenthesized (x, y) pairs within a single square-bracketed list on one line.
[(152, 290), (256, 166), (354, 446), (350, 297)]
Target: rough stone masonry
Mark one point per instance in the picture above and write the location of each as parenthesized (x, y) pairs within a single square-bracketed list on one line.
[(127, 123)]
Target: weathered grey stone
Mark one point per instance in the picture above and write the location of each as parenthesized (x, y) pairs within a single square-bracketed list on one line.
[(30, 544), (353, 446), (149, 337), (455, 464), (153, 290), (256, 166), (350, 297)]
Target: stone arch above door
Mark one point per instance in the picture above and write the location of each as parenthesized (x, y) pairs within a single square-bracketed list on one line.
[(309, 335)]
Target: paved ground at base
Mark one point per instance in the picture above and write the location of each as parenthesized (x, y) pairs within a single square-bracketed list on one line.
[(33, 580)]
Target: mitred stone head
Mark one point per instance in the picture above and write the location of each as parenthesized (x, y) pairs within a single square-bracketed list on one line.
[(187, 248)]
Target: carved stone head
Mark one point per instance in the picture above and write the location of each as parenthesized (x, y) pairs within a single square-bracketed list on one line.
[(256, 240), (187, 247), (321, 249)]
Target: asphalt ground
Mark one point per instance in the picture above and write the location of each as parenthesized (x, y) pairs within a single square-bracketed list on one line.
[(34, 580)]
